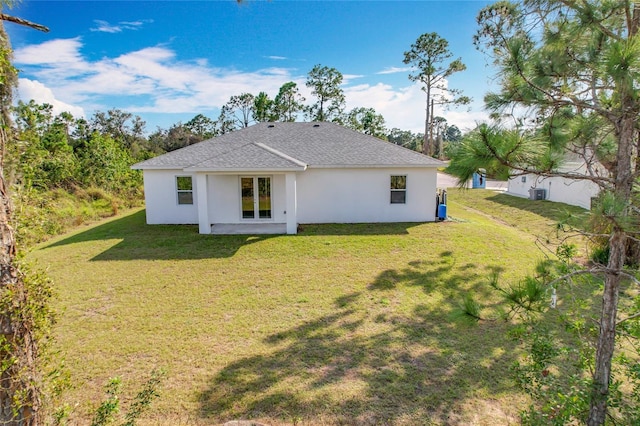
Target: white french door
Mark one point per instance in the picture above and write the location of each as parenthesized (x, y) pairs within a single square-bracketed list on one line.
[(256, 197)]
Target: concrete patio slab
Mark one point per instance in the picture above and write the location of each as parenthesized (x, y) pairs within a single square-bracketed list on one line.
[(248, 228)]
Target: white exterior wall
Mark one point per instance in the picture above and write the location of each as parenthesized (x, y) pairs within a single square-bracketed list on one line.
[(559, 189), (224, 198), (161, 198), (363, 195), (323, 196)]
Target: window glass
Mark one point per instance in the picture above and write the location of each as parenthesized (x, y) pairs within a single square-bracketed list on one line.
[(248, 209), (185, 197), (398, 189), (184, 183), (398, 182), (185, 189)]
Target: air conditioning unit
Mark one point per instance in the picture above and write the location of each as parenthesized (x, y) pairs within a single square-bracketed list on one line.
[(537, 194)]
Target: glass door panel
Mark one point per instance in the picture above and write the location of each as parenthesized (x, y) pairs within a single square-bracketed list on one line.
[(256, 197), (264, 198), (248, 207)]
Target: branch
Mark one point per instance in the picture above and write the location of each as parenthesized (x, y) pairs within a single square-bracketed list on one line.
[(525, 170), (636, 315), (573, 274), (24, 22), (630, 276), (571, 5)]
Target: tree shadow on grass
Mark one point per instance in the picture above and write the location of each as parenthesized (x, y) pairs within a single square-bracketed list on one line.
[(139, 241), (557, 212), (371, 361), (390, 228), (444, 275)]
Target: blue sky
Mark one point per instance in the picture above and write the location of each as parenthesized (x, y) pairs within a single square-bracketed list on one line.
[(170, 60)]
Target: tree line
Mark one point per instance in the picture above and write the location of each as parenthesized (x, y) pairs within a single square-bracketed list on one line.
[(61, 150), (288, 105)]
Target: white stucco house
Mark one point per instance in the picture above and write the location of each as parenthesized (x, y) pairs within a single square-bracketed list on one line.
[(270, 177), (577, 192)]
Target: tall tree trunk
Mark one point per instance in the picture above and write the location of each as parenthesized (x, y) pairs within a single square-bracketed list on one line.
[(617, 256), (19, 398), (427, 124), (607, 336), (431, 141)]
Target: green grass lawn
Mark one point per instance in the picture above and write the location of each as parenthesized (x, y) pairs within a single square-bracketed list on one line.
[(338, 325)]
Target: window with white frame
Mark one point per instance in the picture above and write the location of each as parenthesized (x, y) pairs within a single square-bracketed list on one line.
[(184, 185), (398, 189)]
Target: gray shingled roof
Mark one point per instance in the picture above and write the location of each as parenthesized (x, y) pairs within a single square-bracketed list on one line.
[(289, 146)]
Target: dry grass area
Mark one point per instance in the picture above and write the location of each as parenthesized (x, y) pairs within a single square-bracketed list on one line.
[(339, 325)]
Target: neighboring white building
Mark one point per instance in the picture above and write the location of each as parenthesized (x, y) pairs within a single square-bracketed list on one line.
[(270, 177), (577, 192)]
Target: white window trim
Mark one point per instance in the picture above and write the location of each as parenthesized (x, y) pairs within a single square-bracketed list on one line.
[(178, 191), (392, 190)]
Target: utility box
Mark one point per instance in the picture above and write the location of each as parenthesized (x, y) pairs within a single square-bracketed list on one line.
[(537, 194), (479, 180), (442, 211)]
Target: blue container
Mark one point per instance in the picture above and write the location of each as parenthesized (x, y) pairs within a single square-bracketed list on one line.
[(442, 211), (479, 180)]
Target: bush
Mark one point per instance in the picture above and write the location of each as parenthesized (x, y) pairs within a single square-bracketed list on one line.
[(41, 214)]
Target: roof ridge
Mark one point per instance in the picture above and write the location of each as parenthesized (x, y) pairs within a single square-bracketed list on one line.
[(281, 154)]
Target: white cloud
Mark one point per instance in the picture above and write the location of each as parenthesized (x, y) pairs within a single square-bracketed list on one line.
[(404, 108), (348, 78), (393, 70), (30, 89), (153, 80), (466, 120), (276, 58), (162, 83), (134, 24), (52, 54), (106, 27)]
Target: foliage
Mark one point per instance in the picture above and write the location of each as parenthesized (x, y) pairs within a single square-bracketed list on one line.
[(324, 83), (263, 108), (201, 126), (24, 314), (573, 69), (551, 373), (452, 137), (237, 113), (109, 409), (406, 138), (560, 346), (122, 126), (25, 305), (495, 150), (177, 136), (40, 215), (107, 166), (428, 56), (63, 174), (144, 398), (367, 121), (288, 102)]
